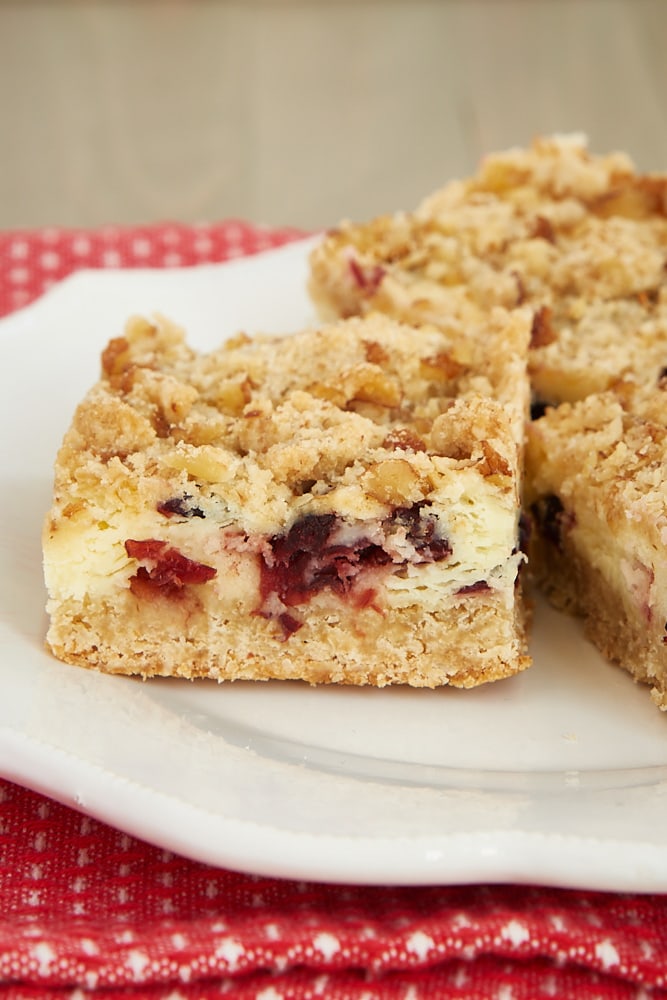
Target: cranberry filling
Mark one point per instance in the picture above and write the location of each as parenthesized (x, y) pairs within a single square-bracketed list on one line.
[(309, 559), (551, 518), (474, 588), (421, 532), (168, 570)]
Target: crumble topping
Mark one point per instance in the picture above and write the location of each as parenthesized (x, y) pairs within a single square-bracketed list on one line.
[(579, 239), (333, 431)]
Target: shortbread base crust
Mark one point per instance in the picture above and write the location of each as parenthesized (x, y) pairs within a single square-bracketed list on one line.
[(478, 638)]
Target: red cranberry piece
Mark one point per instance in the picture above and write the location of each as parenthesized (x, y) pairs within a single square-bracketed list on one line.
[(168, 572), (306, 560), (368, 279), (420, 529), (180, 506), (474, 588)]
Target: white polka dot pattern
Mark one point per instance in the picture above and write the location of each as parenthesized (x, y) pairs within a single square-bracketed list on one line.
[(30, 262), (87, 910)]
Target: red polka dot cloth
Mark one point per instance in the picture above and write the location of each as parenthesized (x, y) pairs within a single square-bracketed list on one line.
[(86, 910)]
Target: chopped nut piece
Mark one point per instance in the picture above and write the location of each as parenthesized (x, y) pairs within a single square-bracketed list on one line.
[(441, 367), (394, 481), (404, 438), (369, 384), (542, 332), (208, 464)]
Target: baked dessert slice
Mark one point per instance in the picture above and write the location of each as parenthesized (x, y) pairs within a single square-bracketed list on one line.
[(340, 505), (596, 491), (580, 239)]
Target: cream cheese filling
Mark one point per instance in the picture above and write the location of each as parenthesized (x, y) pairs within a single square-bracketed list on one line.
[(85, 556)]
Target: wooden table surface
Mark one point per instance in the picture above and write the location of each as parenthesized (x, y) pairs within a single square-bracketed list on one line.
[(302, 112)]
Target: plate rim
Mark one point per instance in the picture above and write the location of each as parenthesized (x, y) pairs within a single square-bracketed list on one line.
[(259, 849), (494, 855)]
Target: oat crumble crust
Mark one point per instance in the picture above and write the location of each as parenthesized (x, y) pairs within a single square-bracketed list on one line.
[(337, 505)]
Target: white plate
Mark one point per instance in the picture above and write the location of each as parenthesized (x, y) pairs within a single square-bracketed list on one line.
[(558, 776)]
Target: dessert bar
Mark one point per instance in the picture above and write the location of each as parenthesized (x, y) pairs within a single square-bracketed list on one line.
[(337, 505), (596, 491)]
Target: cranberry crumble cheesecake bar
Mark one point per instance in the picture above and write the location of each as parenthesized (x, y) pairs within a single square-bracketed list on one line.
[(581, 239), (337, 505), (596, 489)]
